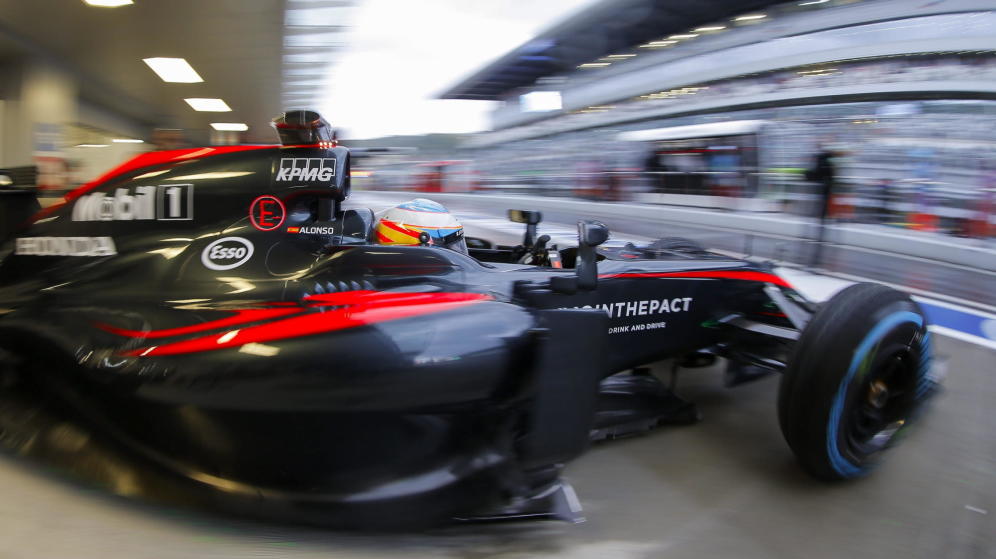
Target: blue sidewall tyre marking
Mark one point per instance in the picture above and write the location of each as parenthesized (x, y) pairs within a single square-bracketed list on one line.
[(842, 465)]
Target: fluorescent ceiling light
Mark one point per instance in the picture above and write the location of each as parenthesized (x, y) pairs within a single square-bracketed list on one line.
[(108, 3), (91, 145), (208, 105), (684, 36), (812, 2), (173, 70), (750, 17), (230, 126), (127, 141), (711, 28)]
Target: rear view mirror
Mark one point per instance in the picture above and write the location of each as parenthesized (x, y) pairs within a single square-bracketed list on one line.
[(5, 179), (531, 219), (592, 233), (525, 216)]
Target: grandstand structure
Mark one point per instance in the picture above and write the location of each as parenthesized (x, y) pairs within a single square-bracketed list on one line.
[(907, 90)]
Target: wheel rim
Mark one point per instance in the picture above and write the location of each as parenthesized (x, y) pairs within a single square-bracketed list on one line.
[(884, 401)]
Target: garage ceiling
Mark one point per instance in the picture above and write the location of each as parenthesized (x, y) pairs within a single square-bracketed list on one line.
[(244, 50)]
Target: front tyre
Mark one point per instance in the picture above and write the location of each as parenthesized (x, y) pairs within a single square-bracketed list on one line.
[(856, 377)]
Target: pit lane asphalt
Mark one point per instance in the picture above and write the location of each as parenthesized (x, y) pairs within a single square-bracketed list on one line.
[(725, 487)]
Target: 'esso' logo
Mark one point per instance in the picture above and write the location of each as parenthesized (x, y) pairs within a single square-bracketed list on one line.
[(227, 253)]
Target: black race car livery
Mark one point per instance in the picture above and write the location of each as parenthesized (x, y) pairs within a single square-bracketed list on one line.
[(217, 326)]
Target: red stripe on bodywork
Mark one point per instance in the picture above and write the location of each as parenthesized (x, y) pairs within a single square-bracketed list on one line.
[(707, 274), (142, 161), (246, 316), (155, 158), (152, 159), (350, 310)]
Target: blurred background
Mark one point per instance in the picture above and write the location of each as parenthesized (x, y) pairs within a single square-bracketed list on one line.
[(719, 105), (856, 138)]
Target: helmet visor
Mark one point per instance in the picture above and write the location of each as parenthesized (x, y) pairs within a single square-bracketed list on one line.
[(454, 241)]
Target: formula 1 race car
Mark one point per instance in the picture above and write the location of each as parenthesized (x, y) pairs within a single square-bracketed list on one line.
[(214, 326)]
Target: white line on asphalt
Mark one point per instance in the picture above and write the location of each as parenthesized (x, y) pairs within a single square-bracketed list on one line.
[(928, 296), (958, 335), (939, 299)]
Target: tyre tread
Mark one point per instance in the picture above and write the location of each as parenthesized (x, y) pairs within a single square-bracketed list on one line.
[(807, 390)]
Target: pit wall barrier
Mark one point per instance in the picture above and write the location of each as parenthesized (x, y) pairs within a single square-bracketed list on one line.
[(942, 248)]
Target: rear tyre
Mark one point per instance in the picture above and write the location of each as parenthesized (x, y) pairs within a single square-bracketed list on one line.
[(857, 376)]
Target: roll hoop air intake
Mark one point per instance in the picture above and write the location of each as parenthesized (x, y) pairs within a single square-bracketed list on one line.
[(303, 128)]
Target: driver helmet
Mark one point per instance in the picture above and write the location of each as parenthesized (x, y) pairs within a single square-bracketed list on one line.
[(404, 223)]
